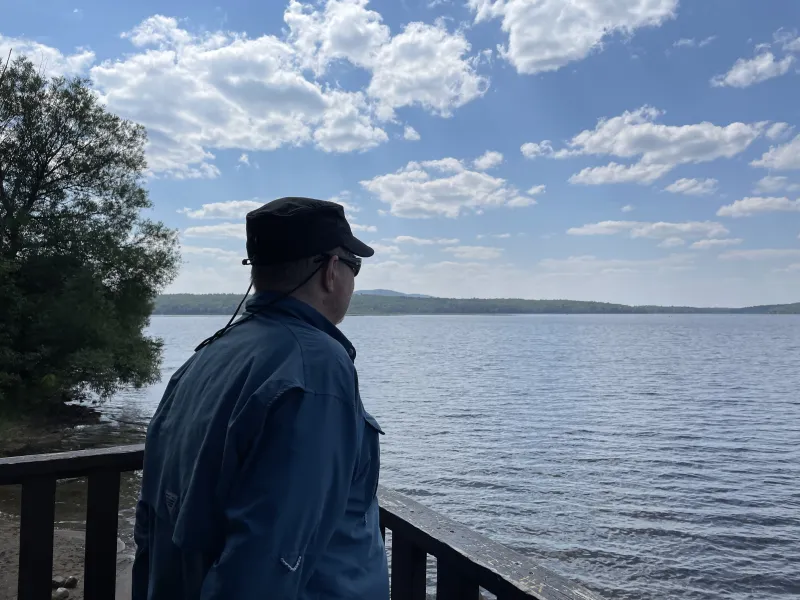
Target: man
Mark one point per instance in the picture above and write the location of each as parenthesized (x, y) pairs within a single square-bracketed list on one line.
[(261, 464)]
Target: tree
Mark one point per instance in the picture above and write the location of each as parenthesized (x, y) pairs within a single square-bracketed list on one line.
[(79, 265)]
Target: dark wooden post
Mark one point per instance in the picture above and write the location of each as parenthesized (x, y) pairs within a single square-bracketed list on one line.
[(102, 510), (452, 585), (409, 564), (36, 538)]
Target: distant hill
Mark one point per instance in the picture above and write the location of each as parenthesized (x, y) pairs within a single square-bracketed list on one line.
[(383, 304), (389, 293)]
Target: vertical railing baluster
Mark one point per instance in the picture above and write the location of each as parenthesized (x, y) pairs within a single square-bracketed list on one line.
[(37, 519), (452, 585), (102, 509), (409, 564)]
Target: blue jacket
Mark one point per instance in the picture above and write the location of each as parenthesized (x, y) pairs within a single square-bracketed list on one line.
[(261, 470)]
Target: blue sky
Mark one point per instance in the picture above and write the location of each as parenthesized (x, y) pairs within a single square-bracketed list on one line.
[(638, 151)]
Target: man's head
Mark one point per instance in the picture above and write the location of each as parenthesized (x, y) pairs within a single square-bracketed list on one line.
[(305, 247)]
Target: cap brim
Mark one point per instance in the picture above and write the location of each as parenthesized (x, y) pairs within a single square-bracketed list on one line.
[(358, 247)]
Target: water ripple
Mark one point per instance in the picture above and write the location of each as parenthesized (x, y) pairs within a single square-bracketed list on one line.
[(646, 456)]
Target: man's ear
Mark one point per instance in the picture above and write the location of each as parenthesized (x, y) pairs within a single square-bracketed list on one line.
[(329, 274)]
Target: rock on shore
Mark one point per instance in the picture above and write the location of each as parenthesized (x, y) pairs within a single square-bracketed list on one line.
[(68, 555)]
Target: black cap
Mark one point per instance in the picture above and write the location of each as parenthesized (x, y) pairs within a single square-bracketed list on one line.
[(289, 229)]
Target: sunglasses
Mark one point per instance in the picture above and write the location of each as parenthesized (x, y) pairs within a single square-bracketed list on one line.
[(354, 262)]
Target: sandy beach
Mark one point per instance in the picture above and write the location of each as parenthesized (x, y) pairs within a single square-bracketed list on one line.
[(68, 555)]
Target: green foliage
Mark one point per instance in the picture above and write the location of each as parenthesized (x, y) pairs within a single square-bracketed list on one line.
[(224, 304), (79, 266)]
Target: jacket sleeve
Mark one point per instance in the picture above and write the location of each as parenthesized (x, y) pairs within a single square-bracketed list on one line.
[(288, 498)]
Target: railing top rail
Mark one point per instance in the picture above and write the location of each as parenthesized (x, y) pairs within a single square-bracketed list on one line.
[(61, 465), (494, 566), (491, 565)]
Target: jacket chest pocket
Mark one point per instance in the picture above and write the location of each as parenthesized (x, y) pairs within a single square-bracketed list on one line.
[(369, 471)]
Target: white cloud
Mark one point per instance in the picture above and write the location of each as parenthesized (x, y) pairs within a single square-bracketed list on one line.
[(790, 269), (627, 208), (225, 90), (761, 254), (693, 43), (341, 30), (197, 92), (365, 228), (410, 134), (233, 209), (488, 160), (781, 158), (532, 149), (537, 190), (774, 183), (475, 252), (788, 40), (423, 65), (384, 249), (409, 239), (792, 45), (591, 264), (747, 72), (426, 66), (693, 187), (753, 205), (160, 31), (497, 236), (347, 206), (445, 187), (521, 202), (347, 124), (617, 173), (211, 253), (778, 130), (545, 35), (721, 243), (223, 230), (52, 61), (660, 230), (671, 242), (659, 147), (343, 199)]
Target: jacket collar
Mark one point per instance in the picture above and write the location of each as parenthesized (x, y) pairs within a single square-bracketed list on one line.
[(273, 302)]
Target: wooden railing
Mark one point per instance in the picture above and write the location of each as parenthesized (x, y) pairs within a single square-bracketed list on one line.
[(465, 560)]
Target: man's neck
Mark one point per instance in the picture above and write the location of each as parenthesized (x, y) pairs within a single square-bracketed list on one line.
[(316, 303)]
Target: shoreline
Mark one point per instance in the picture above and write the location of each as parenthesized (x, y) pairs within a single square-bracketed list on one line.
[(399, 304), (516, 314), (68, 560), (22, 434)]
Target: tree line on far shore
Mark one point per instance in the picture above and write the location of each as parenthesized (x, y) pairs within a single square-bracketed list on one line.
[(225, 304)]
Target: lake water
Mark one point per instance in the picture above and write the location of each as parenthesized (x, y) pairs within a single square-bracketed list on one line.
[(646, 456)]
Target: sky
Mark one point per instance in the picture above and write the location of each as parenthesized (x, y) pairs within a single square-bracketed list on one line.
[(636, 151)]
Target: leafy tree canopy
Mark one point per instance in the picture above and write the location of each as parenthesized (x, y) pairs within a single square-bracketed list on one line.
[(79, 265)]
